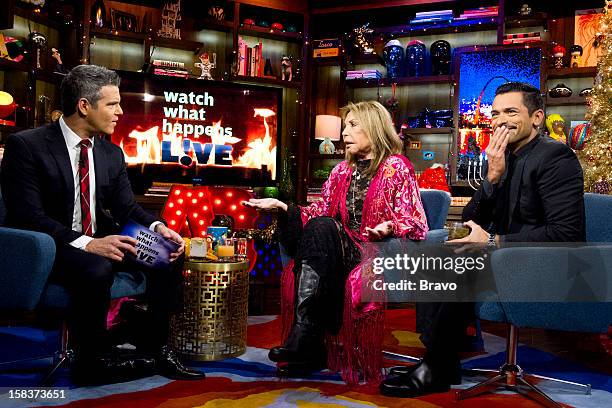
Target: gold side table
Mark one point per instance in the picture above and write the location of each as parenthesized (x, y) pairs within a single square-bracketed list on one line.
[(213, 323)]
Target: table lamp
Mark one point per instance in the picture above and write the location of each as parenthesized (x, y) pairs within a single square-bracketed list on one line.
[(7, 108), (327, 128)]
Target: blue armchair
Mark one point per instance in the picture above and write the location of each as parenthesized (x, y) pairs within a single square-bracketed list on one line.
[(516, 269), (26, 260)]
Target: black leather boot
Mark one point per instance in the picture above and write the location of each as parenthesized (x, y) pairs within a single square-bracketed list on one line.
[(305, 342)]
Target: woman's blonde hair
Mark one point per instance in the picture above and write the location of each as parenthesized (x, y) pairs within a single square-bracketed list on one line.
[(376, 123)]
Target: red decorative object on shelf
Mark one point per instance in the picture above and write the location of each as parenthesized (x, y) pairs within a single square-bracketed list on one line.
[(433, 178)]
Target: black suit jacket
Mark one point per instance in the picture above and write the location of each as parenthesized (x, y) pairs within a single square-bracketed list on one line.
[(38, 186), (545, 197)]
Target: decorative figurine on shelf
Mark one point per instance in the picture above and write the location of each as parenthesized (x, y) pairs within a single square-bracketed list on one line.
[(216, 12), (277, 26), (206, 64), (170, 16), (415, 58), (576, 56), (286, 70), (556, 127), (525, 10), (440, 57), (362, 39), (558, 52), (560, 91), (392, 104), (393, 54), (38, 42), (59, 68), (579, 136), (248, 22), (98, 14)]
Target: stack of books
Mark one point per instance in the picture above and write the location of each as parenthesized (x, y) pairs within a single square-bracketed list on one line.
[(363, 74), (481, 12), (159, 190), (432, 16), (250, 59), (169, 68), (520, 38)]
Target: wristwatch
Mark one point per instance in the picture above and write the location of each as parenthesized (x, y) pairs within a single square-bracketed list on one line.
[(491, 240)]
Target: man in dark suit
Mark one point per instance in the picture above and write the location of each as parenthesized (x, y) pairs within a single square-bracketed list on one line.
[(533, 192), (64, 180)]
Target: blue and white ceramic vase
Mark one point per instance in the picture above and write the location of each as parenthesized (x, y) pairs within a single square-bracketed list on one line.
[(393, 54), (440, 52), (415, 58)]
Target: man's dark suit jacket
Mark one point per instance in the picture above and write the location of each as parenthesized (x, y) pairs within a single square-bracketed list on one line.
[(38, 186), (545, 201)]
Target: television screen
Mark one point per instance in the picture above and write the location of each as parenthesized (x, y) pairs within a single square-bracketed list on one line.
[(191, 130)]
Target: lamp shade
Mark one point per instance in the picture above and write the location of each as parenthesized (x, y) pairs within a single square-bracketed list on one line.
[(328, 127)]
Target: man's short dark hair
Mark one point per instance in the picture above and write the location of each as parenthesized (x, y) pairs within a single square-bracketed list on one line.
[(532, 98), (85, 81)]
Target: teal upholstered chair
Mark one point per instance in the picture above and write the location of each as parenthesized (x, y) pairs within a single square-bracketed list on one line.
[(519, 271), (26, 259)]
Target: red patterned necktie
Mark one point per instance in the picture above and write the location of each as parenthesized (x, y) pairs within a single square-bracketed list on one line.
[(84, 181)]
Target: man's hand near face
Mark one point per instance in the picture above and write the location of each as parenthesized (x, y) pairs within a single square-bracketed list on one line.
[(496, 154)]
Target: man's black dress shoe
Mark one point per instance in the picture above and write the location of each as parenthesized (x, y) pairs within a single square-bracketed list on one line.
[(423, 380), (453, 370), (171, 367), (107, 370)]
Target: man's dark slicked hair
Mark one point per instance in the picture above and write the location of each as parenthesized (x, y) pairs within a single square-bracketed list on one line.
[(85, 81), (532, 98)]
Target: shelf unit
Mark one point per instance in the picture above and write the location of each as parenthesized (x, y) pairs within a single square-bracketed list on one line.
[(387, 82), (26, 82), (112, 48), (331, 90)]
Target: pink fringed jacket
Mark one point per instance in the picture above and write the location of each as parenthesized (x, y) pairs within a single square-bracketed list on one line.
[(392, 195)]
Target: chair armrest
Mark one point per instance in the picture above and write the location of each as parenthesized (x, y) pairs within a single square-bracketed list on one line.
[(26, 259)]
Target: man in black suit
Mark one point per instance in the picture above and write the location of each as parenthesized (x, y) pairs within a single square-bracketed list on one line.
[(533, 192), (64, 180)]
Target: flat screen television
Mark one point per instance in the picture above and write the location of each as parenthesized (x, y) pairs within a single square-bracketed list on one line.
[(198, 131)]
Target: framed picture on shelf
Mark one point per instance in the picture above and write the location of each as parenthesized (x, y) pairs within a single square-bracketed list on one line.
[(586, 29), (123, 21)]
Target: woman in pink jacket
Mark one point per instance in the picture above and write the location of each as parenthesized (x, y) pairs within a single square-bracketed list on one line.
[(371, 195)]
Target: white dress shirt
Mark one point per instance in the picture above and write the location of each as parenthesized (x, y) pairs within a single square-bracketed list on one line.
[(74, 151)]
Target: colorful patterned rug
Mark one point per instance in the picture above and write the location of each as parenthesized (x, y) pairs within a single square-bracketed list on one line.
[(250, 380)]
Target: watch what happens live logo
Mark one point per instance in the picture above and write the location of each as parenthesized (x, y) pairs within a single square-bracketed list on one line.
[(182, 132)]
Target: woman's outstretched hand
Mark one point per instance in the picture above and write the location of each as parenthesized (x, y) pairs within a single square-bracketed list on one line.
[(265, 204), (382, 230)]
